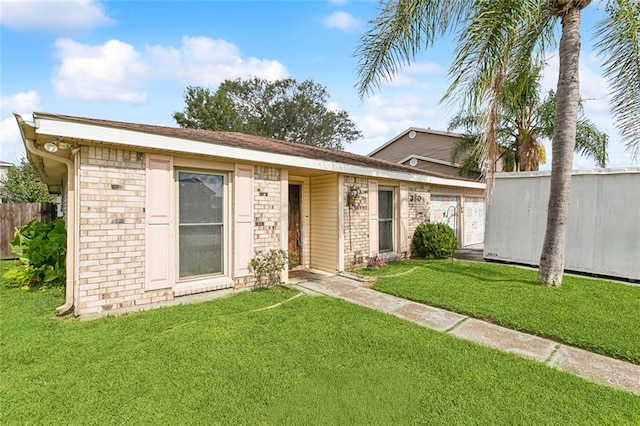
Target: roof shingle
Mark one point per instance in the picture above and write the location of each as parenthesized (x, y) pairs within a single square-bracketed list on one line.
[(257, 143)]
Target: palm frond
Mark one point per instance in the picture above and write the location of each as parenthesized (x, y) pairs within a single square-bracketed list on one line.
[(463, 148), (488, 46), (591, 142), (618, 41), (399, 32)]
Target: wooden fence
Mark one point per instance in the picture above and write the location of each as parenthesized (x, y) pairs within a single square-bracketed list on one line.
[(14, 215)]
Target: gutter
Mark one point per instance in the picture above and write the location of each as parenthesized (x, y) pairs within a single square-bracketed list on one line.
[(144, 140), (30, 145)]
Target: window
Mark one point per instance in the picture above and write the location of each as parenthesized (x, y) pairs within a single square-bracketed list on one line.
[(201, 224), (385, 219)]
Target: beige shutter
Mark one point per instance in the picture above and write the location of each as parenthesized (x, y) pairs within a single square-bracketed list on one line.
[(373, 217), (242, 220), (404, 218), (159, 246)]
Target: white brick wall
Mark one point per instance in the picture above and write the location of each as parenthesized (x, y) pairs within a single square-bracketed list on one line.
[(111, 226), (356, 223)]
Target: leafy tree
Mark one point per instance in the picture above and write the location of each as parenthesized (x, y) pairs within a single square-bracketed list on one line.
[(499, 38), (22, 185), (283, 109)]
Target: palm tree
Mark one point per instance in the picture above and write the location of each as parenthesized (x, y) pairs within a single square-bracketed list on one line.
[(499, 38), (521, 126)]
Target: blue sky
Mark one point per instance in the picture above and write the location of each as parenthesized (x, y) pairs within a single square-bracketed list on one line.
[(132, 60)]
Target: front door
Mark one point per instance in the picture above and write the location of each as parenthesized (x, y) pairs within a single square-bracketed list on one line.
[(295, 236)]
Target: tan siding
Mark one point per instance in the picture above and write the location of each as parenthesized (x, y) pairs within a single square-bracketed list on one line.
[(424, 144), (324, 222), (441, 168), (306, 223), (450, 190)]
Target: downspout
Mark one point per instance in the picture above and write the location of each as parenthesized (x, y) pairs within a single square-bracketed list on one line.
[(67, 308)]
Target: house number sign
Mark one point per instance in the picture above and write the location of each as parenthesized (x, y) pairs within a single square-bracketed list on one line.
[(417, 198)]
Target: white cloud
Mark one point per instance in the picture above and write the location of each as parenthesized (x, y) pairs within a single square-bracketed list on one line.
[(24, 103), (52, 15), (112, 71), (333, 106), (594, 88), (205, 61), (116, 71), (384, 117), (414, 75), (342, 21)]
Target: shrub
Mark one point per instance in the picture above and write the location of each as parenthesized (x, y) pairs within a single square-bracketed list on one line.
[(41, 249), (434, 241), (376, 261), (268, 266)]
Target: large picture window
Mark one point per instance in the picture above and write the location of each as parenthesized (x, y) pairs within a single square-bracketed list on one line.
[(201, 224), (385, 219)]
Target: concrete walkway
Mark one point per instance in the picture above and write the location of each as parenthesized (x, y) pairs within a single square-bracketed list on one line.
[(594, 367)]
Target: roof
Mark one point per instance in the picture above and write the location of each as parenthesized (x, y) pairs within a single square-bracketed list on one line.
[(5, 164), (300, 159), (415, 129), (257, 143)]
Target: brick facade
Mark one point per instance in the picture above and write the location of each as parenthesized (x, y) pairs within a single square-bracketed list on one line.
[(267, 205), (112, 230), (112, 226), (419, 204), (356, 222)]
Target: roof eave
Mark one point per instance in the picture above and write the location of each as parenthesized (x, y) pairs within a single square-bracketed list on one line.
[(138, 139), (28, 131)]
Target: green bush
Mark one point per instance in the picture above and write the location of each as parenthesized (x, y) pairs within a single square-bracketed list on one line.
[(268, 266), (434, 241), (41, 249)]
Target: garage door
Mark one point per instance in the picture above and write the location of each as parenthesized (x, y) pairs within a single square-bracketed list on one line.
[(473, 220), (444, 209)]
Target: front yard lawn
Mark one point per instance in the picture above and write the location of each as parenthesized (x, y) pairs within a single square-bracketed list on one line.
[(598, 315), (312, 360)]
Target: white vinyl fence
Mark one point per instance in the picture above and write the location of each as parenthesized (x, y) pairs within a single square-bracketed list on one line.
[(603, 233)]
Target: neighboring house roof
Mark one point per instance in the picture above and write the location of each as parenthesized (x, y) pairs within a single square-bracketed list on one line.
[(417, 130), (4, 164), (425, 149), (241, 145)]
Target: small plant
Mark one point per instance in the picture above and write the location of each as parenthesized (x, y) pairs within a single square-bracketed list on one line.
[(41, 249), (434, 241), (267, 267), (376, 261)]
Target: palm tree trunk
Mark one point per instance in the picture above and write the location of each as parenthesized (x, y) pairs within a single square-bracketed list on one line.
[(564, 138)]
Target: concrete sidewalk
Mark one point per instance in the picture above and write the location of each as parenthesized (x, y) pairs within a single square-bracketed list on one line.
[(594, 367)]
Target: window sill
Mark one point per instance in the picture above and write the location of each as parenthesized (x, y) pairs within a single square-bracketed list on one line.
[(202, 286)]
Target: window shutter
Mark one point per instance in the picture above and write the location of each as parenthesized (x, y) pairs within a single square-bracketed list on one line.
[(373, 217), (159, 247), (242, 220), (404, 218)]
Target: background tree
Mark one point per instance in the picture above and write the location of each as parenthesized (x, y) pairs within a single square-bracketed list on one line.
[(22, 185), (498, 38), (523, 121), (283, 109)]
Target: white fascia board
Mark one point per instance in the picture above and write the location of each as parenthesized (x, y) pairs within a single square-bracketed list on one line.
[(437, 132), (430, 160), (152, 141)]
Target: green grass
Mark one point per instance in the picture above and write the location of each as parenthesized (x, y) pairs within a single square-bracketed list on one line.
[(312, 360), (597, 315)]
